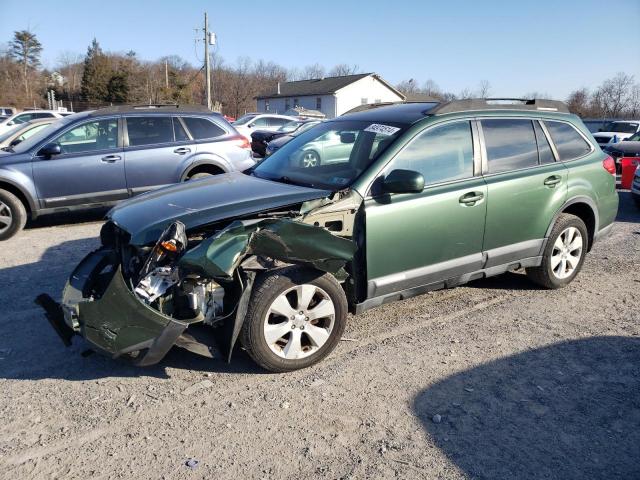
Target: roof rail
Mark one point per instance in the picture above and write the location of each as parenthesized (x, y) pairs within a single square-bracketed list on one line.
[(500, 104)]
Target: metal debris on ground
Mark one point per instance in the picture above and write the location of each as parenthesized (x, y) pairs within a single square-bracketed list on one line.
[(192, 463)]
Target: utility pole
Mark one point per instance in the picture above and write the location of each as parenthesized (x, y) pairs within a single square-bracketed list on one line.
[(166, 75), (207, 66)]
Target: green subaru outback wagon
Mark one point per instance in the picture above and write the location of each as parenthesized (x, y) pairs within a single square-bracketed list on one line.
[(422, 196)]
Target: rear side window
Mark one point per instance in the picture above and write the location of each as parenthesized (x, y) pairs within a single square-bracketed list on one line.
[(178, 131), (569, 143), (510, 143), (150, 130), (544, 149), (278, 122), (201, 128), (440, 154), (43, 115), (261, 122)]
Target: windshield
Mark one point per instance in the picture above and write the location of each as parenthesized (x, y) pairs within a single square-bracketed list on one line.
[(330, 155), (634, 138), (10, 132), (290, 126), (42, 134), (622, 127), (244, 119)]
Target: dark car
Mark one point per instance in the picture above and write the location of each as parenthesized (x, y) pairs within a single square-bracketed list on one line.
[(277, 257), (278, 142), (627, 148), (260, 138)]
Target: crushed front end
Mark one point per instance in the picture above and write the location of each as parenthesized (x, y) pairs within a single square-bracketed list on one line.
[(140, 300)]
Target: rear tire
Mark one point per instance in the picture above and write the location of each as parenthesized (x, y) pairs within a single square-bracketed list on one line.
[(13, 215), (295, 319), (563, 254)]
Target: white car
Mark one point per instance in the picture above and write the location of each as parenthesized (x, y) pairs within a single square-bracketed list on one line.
[(620, 129), (260, 121), (23, 117)]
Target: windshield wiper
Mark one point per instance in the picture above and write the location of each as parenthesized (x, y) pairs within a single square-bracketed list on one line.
[(285, 179)]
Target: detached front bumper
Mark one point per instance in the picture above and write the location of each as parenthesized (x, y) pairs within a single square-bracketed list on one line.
[(98, 305)]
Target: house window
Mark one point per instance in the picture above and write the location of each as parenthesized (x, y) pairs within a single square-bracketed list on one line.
[(286, 105), (296, 103), (266, 105), (319, 103), (364, 100)]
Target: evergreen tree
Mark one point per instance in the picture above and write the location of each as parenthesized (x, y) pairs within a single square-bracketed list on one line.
[(96, 75), (25, 49), (118, 88)]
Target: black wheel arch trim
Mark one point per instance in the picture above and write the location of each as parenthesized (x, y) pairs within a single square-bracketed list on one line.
[(199, 163), (31, 202), (572, 201)]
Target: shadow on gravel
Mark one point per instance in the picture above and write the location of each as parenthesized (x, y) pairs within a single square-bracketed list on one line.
[(566, 411), (57, 219), (31, 350), (506, 281)]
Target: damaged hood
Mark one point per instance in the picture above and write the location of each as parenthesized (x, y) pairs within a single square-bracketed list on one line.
[(201, 202)]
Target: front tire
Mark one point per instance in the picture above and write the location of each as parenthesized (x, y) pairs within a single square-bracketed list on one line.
[(563, 255), (13, 215), (296, 317)]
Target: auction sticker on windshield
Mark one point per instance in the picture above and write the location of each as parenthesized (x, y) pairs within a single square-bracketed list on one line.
[(381, 129)]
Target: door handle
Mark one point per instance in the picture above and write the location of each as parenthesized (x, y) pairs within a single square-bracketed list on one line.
[(552, 181), (182, 150), (471, 198), (110, 158)]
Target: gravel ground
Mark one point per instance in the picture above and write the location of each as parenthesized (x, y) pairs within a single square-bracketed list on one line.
[(497, 379)]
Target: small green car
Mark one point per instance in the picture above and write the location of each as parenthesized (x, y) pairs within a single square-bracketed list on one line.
[(427, 196)]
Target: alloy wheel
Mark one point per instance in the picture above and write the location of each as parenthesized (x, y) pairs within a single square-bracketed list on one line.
[(6, 217), (567, 252), (299, 322), (310, 159)]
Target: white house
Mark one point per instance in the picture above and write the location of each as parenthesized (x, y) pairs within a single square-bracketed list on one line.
[(333, 96)]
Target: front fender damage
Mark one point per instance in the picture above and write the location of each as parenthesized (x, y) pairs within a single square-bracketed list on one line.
[(117, 321)]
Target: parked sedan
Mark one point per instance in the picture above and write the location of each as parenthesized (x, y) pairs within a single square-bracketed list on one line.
[(23, 131), (262, 121), (260, 138), (616, 131), (23, 117)]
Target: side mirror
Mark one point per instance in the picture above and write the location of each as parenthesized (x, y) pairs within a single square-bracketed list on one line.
[(347, 137), (403, 181), (11, 123), (49, 150), (15, 142), (251, 125)]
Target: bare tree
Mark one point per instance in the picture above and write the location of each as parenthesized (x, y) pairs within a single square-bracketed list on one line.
[(578, 102), (484, 88), (431, 88), (466, 93), (343, 69), (408, 86), (70, 67), (614, 95), (312, 71)]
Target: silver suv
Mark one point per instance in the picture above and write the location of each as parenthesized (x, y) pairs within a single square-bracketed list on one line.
[(98, 158)]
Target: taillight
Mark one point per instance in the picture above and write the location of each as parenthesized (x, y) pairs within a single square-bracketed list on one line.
[(609, 165), (242, 142)]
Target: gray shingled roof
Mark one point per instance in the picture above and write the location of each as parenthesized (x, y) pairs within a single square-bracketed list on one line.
[(316, 86)]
